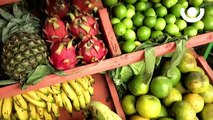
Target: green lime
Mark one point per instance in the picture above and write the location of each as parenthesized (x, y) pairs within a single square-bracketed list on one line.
[(172, 29), (160, 24), (175, 10), (119, 29), (137, 43), (120, 11), (129, 35), (155, 34), (128, 104), (130, 1), (170, 18), (184, 3), (150, 12), (169, 3), (161, 11), (127, 22), (140, 6), (138, 19), (143, 33), (196, 3), (190, 31), (199, 25), (130, 13), (115, 20), (128, 46), (157, 5), (149, 4), (150, 21), (181, 24), (110, 3), (155, 1), (129, 6)]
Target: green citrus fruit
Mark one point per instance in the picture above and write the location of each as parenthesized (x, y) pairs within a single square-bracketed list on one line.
[(181, 24), (130, 1), (166, 118), (130, 13), (119, 29), (188, 63), (127, 22), (195, 3), (208, 94), (184, 3), (160, 24), (173, 96), (128, 46), (199, 25), (110, 3), (140, 6), (155, 1), (206, 113), (190, 31), (150, 12), (170, 18), (169, 3), (161, 11), (128, 104), (172, 29), (150, 21), (138, 19), (137, 117), (175, 10), (143, 33), (129, 35), (115, 20), (155, 34), (120, 11)]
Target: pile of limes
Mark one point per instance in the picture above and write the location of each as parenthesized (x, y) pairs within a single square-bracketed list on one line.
[(137, 21), (177, 93)]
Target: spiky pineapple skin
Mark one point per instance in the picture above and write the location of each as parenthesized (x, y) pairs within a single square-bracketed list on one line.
[(22, 53)]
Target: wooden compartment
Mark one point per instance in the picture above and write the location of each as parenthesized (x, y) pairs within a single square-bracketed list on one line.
[(3, 2)]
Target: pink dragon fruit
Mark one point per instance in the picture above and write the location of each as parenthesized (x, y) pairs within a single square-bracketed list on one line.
[(63, 55), (91, 49), (87, 6), (55, 29), (83, 25), (56, 7)]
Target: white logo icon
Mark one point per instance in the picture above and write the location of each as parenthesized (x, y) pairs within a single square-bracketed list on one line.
[(191, 16)]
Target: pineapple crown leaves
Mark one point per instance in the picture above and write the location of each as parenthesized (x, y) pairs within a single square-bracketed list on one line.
[(18, 21)]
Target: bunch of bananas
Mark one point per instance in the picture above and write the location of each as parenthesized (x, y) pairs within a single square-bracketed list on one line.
[(99, 111), (45, 103)]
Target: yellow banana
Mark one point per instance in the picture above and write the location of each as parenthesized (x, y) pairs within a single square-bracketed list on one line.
[(75, 87), (20, 101), (7, 108), (49, 107), (66, 101), (55, 110), (86, 95), (44, 90), (68, 90), (47, 116), (47, 98), (115, 116), (1, 104), (91, 90), (54, 90), (33, 101), (32, 111), (58, 100), (33, 95), (82, 101), (21, 113), (40, 112), (91, 79), (83, 82)]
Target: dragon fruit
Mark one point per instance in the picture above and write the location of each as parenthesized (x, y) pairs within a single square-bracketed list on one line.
[(56, 7), (55, 29), (63, 55), (91, 49), (83, 24), (87, 6)]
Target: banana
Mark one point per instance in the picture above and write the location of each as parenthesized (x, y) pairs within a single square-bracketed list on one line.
[(68, 90), (44, 90), (58, 100), (82, 101), (20, 101), (55, 110), (1, 104), (54, 90), (85, 94), (32, 111), (66, 101), (7, 108), (91, 90), (91, 79), (40, 112), (47, 98), (47, 116), (75, 87), (33, 101), (115, 116), (34, 95), (49, 107), (83, 82), (21, 113)]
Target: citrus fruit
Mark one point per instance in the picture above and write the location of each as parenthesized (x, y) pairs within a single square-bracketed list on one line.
[(173, 73), (143, 33), (207, 19), (155, 1), (157, 5), (184, 3), (206, 113), (160, 86), (172, 29), (195, 100), (140, 6), (160, 24), (181, 24), (169, 3), (161, 11), (150, 12), (129, 35), (138, 19), (155, 34), (149, 4), (127, 22), (196, 82), (130, 13), (208, 94), (130, 1), (165, 118), (179, 86), (195, 3), (128, 104), (150, 21), (137, 117), (183, 111), (175, 10), (119, 29), (148, 106), (199, 25), (170, 18), (129, 6), (110, 3), (137, 43), (190, 31), (128, 46), (115, 20), (188, 63), (120, 11), (173, 96), (163, 112)]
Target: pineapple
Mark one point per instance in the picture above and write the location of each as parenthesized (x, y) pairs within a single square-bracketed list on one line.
[(23, 49)]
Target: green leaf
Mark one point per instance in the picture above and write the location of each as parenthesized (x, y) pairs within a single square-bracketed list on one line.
[(16, 11), (137, 67), (58, 72), (125, 74), (6, 15), (7, 82)]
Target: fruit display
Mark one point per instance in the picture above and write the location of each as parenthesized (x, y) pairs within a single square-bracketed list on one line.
[(137, 22)]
